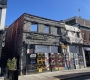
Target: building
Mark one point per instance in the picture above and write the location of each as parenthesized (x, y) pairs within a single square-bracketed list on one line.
[(29, 37), (71, 38), (84, 26), (3, 7)]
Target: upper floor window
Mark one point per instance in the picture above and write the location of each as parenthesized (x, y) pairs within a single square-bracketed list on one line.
[(33, 27), (46, 29), (63, 32), (84, 36), (89, 37), (78, 34), (56, 32)]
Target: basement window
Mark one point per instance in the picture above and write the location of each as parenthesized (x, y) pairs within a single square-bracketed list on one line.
[(46, 29), (33, 27)]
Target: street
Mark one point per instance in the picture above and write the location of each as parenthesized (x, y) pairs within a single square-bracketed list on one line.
[(85, 77)]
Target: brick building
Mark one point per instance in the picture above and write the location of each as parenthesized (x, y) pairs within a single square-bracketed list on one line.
[(32, 34)]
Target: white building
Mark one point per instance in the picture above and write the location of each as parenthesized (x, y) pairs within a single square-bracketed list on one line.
[(72, 38)]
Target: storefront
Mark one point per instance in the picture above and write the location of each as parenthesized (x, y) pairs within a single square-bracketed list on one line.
[(76, 56), (87, 55), (42, 58)]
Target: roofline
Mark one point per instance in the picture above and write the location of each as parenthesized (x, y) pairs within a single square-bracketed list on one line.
[(16, 20), (70, 18), (41, 17), (75, 17)]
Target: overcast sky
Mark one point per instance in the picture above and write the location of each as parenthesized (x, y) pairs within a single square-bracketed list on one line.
[(53, 9)]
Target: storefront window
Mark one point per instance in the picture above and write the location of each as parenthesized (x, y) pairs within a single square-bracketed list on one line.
[(73, 49), (46, 49)]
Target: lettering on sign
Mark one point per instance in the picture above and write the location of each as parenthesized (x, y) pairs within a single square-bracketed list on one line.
[(33, 56)]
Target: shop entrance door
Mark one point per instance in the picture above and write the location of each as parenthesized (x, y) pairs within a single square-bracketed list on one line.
[(87, 56), (76, 60)]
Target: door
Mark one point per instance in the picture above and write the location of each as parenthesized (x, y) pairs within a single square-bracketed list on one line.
[(76, 60)]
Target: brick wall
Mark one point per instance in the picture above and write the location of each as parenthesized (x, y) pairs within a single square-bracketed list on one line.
[(86, 41)]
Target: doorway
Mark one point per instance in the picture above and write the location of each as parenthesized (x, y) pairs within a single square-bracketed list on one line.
[(87, 56)]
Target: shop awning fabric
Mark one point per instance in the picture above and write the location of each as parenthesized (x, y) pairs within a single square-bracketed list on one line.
[(87, 48)]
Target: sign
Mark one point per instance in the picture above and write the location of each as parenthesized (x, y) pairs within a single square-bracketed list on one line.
[(33, 56), (40, 69), (56, 68), (64, 46)]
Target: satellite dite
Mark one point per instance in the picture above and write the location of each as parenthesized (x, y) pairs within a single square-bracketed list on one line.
[(3, 6)]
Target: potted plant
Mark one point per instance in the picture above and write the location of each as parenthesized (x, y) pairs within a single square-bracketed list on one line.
[(12, 72)]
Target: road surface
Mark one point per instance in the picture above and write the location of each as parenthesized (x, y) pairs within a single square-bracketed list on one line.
[(85, 77)]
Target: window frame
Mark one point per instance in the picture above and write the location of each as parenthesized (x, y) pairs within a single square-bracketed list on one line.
[(48, 29), (84, 35), (36, 30)]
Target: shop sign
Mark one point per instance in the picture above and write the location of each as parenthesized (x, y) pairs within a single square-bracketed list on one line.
[(64, 46), (33, 56)]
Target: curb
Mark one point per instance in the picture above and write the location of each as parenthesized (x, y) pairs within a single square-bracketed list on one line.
[(74, 76)]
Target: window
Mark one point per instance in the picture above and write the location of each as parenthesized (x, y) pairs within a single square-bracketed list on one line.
[(80, 49), (84, 36), (33, 27), (63, 32), (56, 30), (89, 37), (78, 34), (46, 29), (72, 49)]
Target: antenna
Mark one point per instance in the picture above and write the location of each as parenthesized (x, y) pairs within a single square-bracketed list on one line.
[(79, 12)]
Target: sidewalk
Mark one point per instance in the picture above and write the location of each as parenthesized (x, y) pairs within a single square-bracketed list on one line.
[(57, 75)]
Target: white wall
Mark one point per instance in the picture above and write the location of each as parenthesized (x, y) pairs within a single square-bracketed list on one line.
[(2, 18)]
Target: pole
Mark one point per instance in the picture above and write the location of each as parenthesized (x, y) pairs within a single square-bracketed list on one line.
[(50, 60)]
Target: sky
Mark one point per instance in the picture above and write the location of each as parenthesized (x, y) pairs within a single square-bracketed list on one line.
[(51, 9)]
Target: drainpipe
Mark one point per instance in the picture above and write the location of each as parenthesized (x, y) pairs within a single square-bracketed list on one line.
[(28, 47)]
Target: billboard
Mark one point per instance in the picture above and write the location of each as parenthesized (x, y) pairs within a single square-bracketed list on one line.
[(3, 2)]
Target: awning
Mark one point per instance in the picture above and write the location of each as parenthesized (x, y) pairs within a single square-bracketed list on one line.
[(87, 48)]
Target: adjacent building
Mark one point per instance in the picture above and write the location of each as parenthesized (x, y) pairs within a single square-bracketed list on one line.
[(84, 26), (3, 7), (72, 38)]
